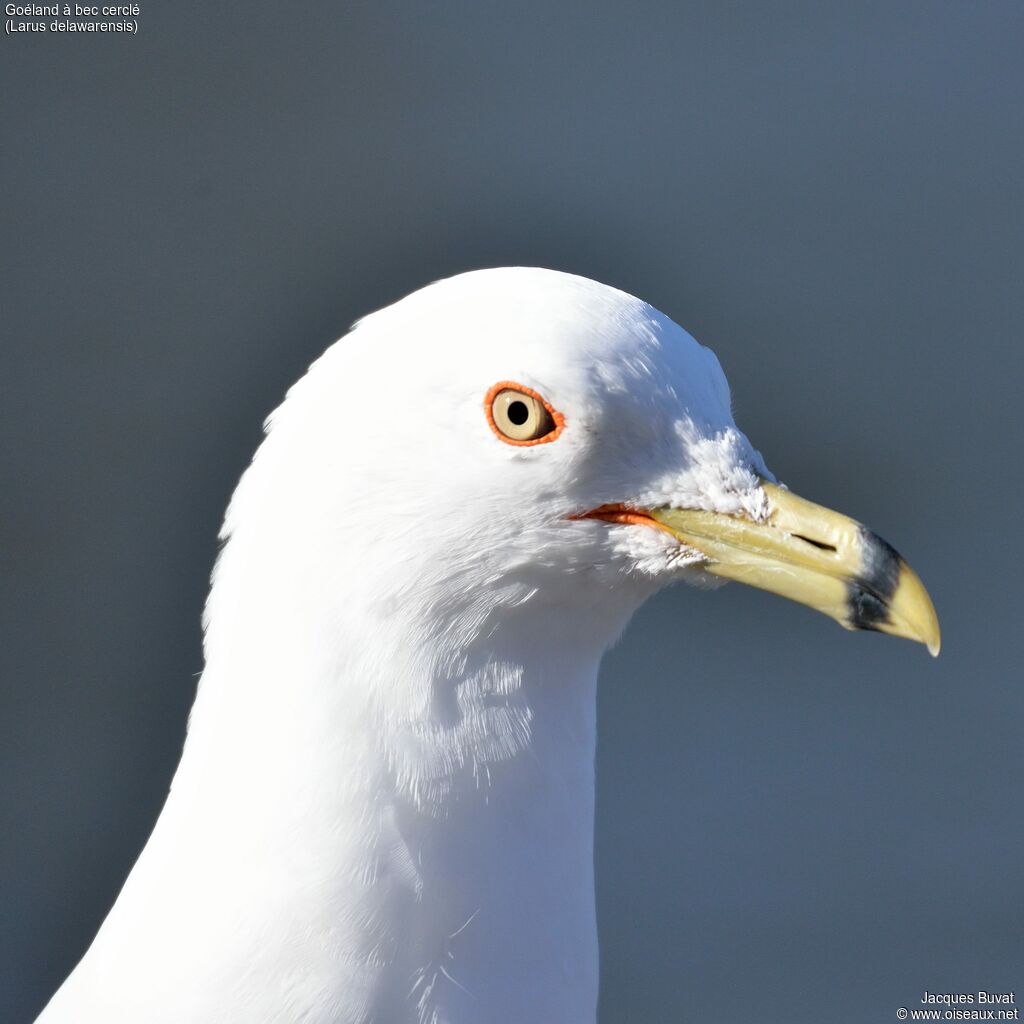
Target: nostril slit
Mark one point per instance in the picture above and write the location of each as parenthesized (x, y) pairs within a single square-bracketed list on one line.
[(820, 545)]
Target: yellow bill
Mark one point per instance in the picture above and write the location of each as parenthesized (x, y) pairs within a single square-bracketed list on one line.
[(815, 556)]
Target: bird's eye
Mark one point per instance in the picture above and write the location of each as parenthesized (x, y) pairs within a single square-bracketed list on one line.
[(518, 415)]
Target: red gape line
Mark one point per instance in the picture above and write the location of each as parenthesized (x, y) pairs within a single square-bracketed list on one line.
[(511, 385), (623, 514)]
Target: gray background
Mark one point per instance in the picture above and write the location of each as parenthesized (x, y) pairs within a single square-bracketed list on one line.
[(827, 194)]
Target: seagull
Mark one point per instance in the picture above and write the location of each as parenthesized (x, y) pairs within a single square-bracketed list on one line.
[(384, 810)]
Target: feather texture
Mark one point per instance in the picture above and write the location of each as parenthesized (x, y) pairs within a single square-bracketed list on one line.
[(384, 810)]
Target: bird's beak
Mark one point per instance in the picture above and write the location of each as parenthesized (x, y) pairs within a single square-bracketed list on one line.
[(809, 554)]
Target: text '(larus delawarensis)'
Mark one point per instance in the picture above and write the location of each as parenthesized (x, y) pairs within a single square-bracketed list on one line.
[(384, 811)]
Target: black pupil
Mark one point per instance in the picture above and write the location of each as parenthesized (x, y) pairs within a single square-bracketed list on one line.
[(518, 413)]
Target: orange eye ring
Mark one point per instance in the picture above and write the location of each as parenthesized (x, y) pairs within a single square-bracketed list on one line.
[(520, 416)]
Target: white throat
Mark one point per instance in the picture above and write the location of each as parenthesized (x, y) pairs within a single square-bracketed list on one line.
[(369, 834)]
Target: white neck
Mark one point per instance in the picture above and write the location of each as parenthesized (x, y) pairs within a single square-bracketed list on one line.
[(323, 851)]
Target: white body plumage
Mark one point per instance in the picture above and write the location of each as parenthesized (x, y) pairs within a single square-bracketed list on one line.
[(384, 809)]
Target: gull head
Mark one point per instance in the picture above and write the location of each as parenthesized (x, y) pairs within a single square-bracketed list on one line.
[(521, 443)]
